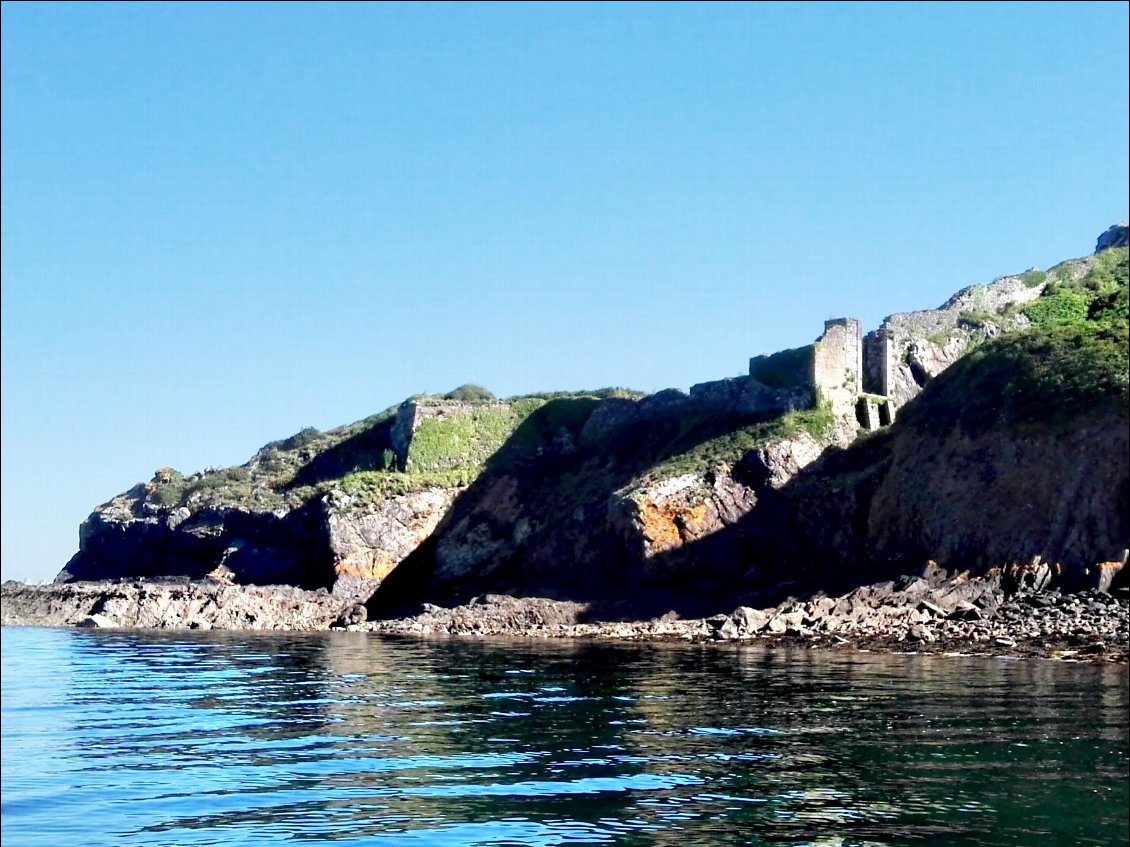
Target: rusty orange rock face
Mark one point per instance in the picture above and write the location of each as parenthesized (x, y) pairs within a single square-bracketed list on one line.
[(671, 524), (369, 565)]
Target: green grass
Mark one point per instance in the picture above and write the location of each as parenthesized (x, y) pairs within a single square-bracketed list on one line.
[(1068, 301), (730, 447), (1033, 277), (282, 474), (464, 441), (1059, 304), (359, 460), (1072, 361), (372, 487)]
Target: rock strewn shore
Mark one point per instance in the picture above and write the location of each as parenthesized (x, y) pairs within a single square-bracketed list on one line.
[(972, 616), (1090, 625), (169, 604)]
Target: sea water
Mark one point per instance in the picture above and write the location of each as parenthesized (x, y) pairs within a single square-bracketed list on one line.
[(137, 738)]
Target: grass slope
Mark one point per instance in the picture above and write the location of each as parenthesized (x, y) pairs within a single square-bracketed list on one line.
[(1072, 360)]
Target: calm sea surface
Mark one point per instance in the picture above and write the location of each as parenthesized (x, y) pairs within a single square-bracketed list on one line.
[(191, 739)]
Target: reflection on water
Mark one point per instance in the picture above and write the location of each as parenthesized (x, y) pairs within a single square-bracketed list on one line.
[(213, 738)]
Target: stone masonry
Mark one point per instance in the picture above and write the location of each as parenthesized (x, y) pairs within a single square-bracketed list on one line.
[(837, 364)]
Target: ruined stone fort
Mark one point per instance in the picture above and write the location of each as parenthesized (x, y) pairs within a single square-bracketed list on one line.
[(865, 377)]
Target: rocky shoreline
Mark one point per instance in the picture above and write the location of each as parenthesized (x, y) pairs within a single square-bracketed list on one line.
[(167, 604), (930, 613)]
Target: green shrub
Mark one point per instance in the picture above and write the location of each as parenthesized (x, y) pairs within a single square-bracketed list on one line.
[(1033, 277), (167, 496), (303, 438), (729, 447), (1073, 360), (975, 319), (470, 394), (1058, 305)]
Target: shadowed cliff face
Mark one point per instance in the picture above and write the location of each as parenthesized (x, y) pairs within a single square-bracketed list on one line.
[(596, 519), (969, 501), (1019, 450), (254, 547)]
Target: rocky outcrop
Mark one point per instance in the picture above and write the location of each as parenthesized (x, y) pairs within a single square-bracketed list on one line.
[(911, 348), (338, 542), (1057, 493), (168, 605), (369, 540), (665, 516), (934, 612), (592, 525), (1117, 236), (985, 499), (129, 538)]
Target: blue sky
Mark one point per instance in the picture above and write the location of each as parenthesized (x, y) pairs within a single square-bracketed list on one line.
[(222, 223)]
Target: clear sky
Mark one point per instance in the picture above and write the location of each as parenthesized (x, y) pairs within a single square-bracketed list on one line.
[(222, 223)]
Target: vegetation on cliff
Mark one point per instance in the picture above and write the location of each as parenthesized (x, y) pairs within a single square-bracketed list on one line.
[(726, 448), (358, 459), (1071, 360)]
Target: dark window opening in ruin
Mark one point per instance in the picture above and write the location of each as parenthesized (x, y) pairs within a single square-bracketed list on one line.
[(862, 415), (874, 365)]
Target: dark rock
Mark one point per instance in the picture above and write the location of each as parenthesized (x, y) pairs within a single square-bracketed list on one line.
[(1116, 236), (965, 611), (355, 614), (97, 622)]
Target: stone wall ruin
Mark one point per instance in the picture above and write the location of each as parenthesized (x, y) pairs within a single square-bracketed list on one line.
[(413, 412)]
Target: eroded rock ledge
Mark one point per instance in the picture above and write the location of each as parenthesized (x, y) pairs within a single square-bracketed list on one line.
[(993, 615), (171, 604)]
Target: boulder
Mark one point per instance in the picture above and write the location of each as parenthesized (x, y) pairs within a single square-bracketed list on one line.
[(1116, 236), (97, 622), (749, 620)]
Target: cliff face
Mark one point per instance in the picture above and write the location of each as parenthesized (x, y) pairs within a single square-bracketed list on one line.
[(984, 500), (968, 501), (1011, 444), (581, 518)]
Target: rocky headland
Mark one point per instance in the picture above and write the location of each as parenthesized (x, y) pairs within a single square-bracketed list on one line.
[(956, 479)]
